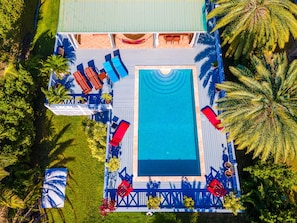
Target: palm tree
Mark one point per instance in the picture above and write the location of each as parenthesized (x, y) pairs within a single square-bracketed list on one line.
[(7, 198), (55, 64), (255, 24), (56, 95), (260, 111)]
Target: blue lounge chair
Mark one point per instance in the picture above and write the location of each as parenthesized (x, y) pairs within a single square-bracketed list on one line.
[(110, 72), (118, 65)]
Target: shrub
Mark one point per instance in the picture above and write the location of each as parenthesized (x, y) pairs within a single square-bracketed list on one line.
[(188, 202), (153, 202), (113, 164)]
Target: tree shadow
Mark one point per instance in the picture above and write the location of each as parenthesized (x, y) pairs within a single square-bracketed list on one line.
[(69, 51), (43, 45), (209, 69), (27, 27), (48, 152), (50, 148)]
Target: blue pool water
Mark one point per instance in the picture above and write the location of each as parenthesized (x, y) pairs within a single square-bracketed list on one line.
[(167, 133)]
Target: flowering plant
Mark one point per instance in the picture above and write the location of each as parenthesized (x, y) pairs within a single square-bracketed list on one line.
[(106, 207), (113, 164), (153, 202), (188, 202)]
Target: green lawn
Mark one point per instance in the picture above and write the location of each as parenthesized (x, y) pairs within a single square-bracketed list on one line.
[(85, 182), (44, 39)]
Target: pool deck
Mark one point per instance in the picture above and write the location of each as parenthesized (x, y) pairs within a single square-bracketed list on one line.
[(215, 150)]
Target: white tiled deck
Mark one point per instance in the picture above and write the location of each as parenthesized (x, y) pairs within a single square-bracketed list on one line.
[(214, 141)]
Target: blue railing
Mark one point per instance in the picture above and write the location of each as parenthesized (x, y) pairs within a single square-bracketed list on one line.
[(171, 198)]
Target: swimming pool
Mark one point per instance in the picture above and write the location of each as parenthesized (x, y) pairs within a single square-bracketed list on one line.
[(167, 125)]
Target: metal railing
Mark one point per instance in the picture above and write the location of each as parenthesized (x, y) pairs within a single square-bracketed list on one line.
[(170, 198)]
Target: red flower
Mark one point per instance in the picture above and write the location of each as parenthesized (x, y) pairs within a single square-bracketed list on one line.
[(107, 207)]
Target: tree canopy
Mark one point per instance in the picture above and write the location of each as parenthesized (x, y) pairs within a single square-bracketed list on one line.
[(55, 64), (56, 95), (255, 24), (260, 111), (16, 112), (10, 13), (269, 194)]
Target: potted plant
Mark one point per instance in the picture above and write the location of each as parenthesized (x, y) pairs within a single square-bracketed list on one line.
[(227, 164), (81, 100), (113, 164), (106, 97), (56, 64), (229, 172), (153, 202), (56, 95), (189, 202)]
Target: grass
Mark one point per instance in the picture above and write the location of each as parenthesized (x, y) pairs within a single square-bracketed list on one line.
[(85, 182), (44, 39), (66, 146)]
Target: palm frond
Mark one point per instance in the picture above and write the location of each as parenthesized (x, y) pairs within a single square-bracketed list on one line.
[(11, 200), (3, 173), (260, 113), (255, 25)]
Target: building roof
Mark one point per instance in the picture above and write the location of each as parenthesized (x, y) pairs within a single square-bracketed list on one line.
[(131, 16)]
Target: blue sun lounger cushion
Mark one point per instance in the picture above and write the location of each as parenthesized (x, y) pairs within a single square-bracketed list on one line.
[(118, 65), (110, 72)]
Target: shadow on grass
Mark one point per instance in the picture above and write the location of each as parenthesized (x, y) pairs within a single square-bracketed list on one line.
[(27, 28), (48, 149), (44, 44), (48, 152)]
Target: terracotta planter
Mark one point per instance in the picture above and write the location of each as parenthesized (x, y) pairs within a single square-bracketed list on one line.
[(227, 165), (229, 173)]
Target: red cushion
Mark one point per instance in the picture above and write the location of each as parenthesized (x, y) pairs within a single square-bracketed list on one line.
[(211, 116), (216, 188), (119, 133), (124, 189)]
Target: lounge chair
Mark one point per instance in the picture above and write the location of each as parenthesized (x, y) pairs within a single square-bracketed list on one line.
[(212, 117), (216, 188), (80, 79), (118, 65), (119, 133), (124, 175), (117, 53), (124, 189), (111, 73), (93, 77)]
